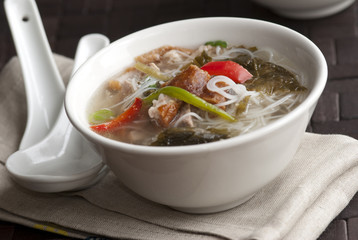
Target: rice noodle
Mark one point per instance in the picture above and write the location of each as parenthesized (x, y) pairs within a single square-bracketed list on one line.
[(189, 114), (278, 102), (233, 51), (228, 102), (268, 58), (232, 91), (184, 54), (144, 87)]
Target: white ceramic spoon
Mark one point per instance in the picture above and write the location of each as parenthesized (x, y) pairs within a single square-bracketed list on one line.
[(62, 161), (45, 89)]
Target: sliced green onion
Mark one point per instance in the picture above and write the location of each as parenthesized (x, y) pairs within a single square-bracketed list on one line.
[(151, 71), (182, 94), (220, 43), (101, 116)]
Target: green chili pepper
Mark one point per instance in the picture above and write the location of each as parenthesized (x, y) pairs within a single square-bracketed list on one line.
[(220, 43), (151, 71), (182, 94)]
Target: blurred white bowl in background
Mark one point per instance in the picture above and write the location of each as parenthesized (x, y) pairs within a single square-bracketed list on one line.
[(306, 9)]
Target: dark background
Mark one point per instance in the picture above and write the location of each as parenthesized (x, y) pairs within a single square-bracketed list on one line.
[(66, 21)]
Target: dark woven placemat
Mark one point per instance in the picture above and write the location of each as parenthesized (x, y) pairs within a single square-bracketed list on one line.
[(337, 111)]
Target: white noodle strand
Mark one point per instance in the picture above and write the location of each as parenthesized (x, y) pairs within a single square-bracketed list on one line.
[(189, 114)]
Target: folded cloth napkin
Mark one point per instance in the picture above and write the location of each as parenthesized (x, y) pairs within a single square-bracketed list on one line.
[(299, 204)]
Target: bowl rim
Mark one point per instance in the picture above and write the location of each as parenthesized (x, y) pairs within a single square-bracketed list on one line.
[(307, 103)]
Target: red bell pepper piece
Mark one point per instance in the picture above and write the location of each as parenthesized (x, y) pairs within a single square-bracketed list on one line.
[(230, 69), (126, 117)]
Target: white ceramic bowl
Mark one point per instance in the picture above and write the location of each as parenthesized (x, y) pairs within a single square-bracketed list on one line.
[(306, 9), (208, 177)]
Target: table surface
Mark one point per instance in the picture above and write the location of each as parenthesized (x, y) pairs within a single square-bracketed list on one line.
[(66, 21)]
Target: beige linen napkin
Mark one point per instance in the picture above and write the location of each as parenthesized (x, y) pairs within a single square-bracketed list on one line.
[(298, 204)]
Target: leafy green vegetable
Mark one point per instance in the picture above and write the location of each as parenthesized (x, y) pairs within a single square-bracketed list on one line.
[(101, 116), (182, 94), (268, 77), (242, 105), (201, 60), (189, 136), (220, 43), (272, 78)]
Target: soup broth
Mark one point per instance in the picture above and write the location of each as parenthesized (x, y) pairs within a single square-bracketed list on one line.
[(177, 96)]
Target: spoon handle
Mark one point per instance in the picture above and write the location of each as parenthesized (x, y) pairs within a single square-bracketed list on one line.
[(44, 87), (88, 46)]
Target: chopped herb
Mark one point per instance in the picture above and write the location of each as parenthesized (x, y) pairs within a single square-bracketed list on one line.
[(101, 116)]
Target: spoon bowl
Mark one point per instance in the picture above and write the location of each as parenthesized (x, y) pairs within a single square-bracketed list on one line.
[(61, 161)]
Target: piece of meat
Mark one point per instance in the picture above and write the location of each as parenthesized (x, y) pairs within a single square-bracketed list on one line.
[(164, 110), (184, 119), (114, 85), (156, 55), (168, 112), (213, 97), (125, 83), (194, 80), (174, 56)]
